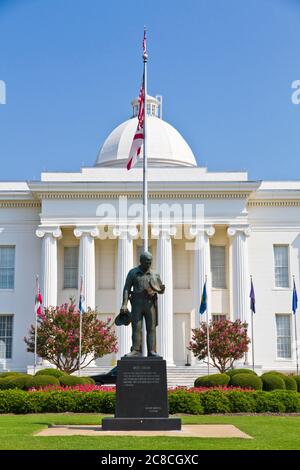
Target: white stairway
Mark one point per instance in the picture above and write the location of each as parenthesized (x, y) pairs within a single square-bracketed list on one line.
[(178, 376)]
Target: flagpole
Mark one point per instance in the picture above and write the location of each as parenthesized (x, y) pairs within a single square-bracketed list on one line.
[(80, 322), (252, 340), (252, 329), (145, 162), (297, 359), (207, 333), (80, 338), (35, 328), (295, 304)]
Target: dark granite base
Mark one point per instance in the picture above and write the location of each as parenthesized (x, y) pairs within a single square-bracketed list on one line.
[(141, 424), (141, 397)]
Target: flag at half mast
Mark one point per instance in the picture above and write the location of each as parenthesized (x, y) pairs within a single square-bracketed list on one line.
[(138, 139)]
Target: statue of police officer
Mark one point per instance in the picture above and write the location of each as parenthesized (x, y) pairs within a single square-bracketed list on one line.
[(141, 288)]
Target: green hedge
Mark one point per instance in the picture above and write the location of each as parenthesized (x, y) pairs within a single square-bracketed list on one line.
[(14, 381), (232, 372), (53, 372), (272, 381), (213, 380), (246, 381), (70, 380), (4, 375), (41, 381), (180, 401), (297, 380), (290, 382), (241, 402), (215, 401)]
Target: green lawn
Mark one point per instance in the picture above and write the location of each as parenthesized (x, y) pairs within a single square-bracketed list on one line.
[(269, 432)]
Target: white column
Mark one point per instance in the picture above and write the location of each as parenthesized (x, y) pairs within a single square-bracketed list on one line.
[(49, 236), (124, 264), (87, 263), (202, 270), (240, 273), (164, 267)]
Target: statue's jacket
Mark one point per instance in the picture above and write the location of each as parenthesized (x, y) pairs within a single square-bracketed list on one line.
[(144, 286)]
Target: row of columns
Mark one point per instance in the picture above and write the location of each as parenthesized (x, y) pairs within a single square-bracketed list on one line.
[(125, 234)]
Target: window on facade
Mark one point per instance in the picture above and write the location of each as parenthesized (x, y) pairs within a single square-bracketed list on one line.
[(218, 317), (284, 339), (71, 267), (7, 267), (6, 336), (218, 273), (281, 257)]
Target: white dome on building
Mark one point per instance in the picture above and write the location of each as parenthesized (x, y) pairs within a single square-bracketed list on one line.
[(166, 147)]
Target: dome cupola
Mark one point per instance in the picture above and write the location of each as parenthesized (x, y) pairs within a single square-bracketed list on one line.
[(166, 147)]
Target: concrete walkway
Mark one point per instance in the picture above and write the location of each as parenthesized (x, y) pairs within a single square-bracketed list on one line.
[(191, 430)]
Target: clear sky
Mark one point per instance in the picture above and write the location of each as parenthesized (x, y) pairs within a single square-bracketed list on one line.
[(224, 68)]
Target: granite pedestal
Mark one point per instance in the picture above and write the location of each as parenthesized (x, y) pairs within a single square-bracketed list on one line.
[(141, 397)]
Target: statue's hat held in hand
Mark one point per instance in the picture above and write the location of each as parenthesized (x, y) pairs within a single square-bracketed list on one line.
[(124, 318)]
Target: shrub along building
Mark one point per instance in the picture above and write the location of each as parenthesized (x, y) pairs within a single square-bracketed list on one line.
[(219, 225)]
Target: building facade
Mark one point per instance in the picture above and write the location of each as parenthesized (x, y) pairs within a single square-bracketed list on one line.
[(202, 225)]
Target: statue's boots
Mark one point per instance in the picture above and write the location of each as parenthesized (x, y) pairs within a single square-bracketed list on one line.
[(134, 353), (153, 354)]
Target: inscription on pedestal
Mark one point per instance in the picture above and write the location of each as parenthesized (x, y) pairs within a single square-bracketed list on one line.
[(141, 389), (140, 375)]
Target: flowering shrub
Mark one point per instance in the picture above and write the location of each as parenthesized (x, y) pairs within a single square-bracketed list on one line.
[(58, 337), (228, 342)]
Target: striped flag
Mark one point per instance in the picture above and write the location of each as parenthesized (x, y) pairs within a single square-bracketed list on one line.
[(295, 299), (138, 139), (38, 299), (81, 298)]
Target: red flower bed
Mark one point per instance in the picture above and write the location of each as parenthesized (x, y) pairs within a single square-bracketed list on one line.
[(79, 388), (105, 388), (207, 389)]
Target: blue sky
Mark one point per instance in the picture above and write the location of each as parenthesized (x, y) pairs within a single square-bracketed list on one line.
[(224, 68)]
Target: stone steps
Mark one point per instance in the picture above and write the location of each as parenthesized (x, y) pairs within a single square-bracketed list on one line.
[(179, 376)]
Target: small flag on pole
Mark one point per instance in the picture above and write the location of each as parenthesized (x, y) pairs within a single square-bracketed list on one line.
[(138, 138), (252, 297), (295, 299), (203, 305), (38, 299), (81, 298)]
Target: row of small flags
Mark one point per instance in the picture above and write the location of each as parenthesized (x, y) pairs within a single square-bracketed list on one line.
[(203, 304), (38, 301)]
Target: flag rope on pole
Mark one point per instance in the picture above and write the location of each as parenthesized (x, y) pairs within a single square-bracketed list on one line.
[(145, 161)]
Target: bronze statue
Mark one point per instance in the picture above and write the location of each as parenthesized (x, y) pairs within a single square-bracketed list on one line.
[(141, 288)]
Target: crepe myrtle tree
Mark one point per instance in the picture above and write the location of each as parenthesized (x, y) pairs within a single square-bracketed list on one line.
[(58, 337), (228, 342)]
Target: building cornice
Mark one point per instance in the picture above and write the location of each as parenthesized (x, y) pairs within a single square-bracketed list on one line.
[(138, 195), (157, 189), (274, 203), (13, 203)]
